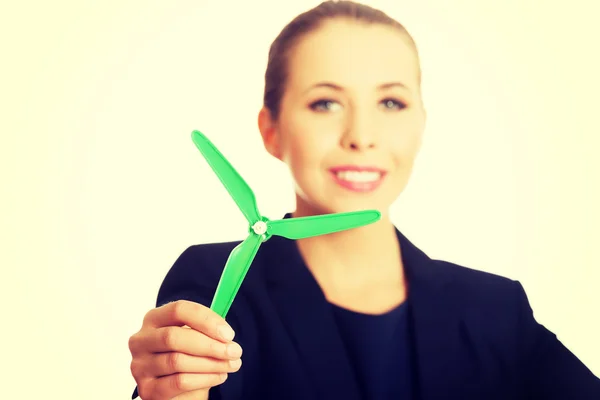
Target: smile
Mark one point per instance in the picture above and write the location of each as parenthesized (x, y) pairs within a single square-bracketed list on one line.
[(358, 179), (358, 176)]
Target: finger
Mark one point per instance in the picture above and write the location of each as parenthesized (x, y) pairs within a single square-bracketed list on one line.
[(188, 341), (177, 384), (170, 363), (194, 315)]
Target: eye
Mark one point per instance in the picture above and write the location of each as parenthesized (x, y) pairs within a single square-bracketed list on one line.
[(324, 105), (392, 104)]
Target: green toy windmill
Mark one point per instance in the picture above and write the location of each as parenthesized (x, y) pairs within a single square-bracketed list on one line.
[(260, 227)]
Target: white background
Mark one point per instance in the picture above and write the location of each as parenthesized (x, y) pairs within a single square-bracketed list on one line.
[(102, 187)]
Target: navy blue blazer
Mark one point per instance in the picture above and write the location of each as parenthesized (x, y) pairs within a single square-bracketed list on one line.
[(473, 334)]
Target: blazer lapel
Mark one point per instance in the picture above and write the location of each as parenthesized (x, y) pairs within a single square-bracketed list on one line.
[(435, 327), (306, 313)]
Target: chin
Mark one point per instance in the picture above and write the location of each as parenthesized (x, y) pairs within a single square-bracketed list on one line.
[(335, 205), (333, 199), (383, 209)]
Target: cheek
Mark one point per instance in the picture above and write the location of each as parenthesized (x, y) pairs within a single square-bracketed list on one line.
[(306, 141), (304, 152), (406, 141)]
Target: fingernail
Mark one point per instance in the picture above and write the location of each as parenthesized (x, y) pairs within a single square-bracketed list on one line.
[(234, 350), (226, 332), (235, 363), (223, 377)]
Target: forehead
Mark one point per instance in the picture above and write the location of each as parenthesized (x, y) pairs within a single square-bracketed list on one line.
[(353, 54)]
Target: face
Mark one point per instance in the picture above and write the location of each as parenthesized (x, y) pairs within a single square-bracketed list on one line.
[(351, 118)]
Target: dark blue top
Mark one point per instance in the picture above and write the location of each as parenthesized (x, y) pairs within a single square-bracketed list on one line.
[(379, 352)]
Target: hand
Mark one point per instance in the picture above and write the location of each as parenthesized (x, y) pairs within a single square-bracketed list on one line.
[(182, 350)]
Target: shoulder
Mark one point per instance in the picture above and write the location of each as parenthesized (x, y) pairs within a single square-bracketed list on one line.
[(458, 286), (486, 302), (195, 273), (481, 295), (209, 251), (473, 282), (204, 258)]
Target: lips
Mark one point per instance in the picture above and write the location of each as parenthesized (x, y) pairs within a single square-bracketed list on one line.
[(358, 178)]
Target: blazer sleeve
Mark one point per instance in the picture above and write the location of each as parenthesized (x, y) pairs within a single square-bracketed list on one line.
[(194, 277), (552, 372)]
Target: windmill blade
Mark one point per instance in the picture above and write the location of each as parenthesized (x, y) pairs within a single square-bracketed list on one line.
[(303, 227), (235, 270), (236, 186)]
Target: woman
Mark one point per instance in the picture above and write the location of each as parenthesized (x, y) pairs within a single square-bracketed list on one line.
[(360, 314)]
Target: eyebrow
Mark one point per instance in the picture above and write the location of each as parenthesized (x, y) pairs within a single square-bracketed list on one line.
[(333, 86)]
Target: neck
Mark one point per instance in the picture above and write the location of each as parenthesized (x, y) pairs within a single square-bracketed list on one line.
[(369, 252)]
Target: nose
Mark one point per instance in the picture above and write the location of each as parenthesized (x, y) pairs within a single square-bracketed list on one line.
[(359, 132)]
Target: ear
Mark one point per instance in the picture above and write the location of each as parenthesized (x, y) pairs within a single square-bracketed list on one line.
[(268, 131)]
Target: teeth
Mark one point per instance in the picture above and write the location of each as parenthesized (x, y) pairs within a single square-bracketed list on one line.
[(356, 176)]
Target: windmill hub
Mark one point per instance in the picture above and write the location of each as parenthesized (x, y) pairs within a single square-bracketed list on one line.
[(260, 228)]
